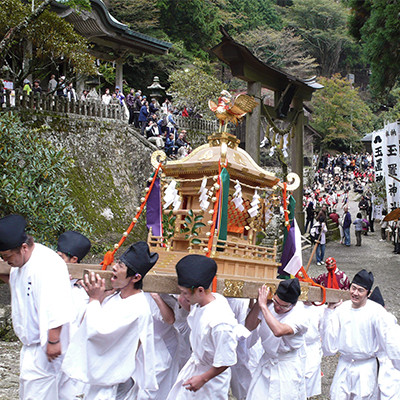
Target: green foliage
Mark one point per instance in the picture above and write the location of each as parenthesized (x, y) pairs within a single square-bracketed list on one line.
[(378, 189), (322, 25), (195, 22), (33, 182), (191, 226), (360, 12), (340, 115), (107, 71), (247, 15), (376, 24), (392, 112), (194, 86), (282, 49), (138, 76), (140, 15), (168, 222), (52, 37)]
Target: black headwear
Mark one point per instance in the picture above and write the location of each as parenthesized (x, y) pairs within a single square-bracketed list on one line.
[(12, 232), (364, 279), (73, 244), (196, 270), (376, 296), (289, 290), (139, 259)]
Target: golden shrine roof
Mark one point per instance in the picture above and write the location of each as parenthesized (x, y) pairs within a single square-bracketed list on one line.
[(204, 161)]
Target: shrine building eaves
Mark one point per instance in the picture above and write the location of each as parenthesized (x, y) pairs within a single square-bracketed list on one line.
[(108, 35)]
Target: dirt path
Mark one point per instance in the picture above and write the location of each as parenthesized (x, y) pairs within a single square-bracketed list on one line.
[(373, 255)]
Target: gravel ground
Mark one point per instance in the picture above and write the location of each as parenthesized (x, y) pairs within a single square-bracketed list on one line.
[(373, 255)]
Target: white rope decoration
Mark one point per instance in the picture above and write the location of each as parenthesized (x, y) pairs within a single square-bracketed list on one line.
[(237, 197), (171, 196), (254, 205), (204, 203), (285, 145)]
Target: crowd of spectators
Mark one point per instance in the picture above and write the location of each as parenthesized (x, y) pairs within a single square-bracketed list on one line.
[(327, 199), (334, 178), (156, 121)]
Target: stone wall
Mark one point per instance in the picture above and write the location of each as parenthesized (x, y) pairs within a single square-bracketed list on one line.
[(111, 166)]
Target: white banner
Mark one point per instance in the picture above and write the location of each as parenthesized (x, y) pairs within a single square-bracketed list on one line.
[(392, 165), (378, 151)]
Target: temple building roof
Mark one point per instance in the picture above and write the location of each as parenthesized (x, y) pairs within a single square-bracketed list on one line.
[(110, 37)]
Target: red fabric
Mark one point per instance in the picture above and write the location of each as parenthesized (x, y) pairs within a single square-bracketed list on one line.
[(332, 279)]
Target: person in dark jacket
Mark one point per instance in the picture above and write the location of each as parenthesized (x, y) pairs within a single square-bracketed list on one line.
[(309, 215), (137, 105), (346, 226), (143, 115), (153, 107), (130, 102)]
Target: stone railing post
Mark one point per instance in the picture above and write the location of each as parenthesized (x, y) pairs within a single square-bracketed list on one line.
[(17, 98), (7, 98), (66, 105)]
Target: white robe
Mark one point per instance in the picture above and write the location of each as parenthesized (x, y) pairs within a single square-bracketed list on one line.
[(357, 334), (313, 350), (241, 375), (40, 300), (388, 376), (104, 351), (165, 345), (69, 388), (281, 370), (184, 351), (80, 300), (213, 341)]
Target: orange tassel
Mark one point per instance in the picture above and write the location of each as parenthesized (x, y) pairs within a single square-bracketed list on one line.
[(108, 259)]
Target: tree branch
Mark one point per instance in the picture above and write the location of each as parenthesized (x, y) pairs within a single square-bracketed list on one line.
[(12, 32)]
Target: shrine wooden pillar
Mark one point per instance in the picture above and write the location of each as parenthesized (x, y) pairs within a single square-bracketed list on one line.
[(253, 123), (119, 63), (297, 159)]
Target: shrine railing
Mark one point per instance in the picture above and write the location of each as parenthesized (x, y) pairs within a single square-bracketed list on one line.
[(44, 102), (59, 104), (197, 124)]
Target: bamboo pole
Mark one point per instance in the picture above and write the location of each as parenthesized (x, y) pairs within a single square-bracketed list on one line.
[(317, 242)]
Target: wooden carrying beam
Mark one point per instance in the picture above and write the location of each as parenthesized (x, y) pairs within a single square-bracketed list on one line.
[(229, 286)]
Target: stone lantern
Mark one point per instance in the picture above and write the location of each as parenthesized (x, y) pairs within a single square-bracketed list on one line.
[(156, 90), (93, 95)]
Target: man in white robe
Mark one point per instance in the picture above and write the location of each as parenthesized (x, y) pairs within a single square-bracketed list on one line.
[(181, 311), (72, 247), (241, 375), (114, 347), (357, 329), (41, 307), (313, 349), (281, 325), (388, 375), (165, 345), (206, 375)]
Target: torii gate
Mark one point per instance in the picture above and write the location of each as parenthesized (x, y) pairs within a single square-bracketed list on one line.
[(288, 90)]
